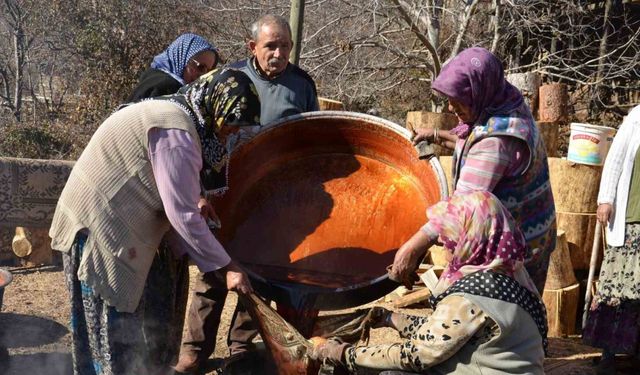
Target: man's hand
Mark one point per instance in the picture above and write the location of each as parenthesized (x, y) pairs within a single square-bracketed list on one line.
[(208, 212), (237, 280), (603, 213)]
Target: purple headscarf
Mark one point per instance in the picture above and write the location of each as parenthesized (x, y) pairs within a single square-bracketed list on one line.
[(475, 78)]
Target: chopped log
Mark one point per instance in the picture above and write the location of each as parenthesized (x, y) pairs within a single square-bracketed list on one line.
[(411, 298), (579, 229), (21, 245), (395, 294), (429, 275), (560, 273), (33, 246), (553, 103), (575, 186), (529, 85), (432, 120), (562, 305), (549, 132), (326, 104)]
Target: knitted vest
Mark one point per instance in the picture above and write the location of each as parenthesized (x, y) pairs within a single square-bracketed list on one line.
[(527, 197), (112, 195), (516, 350)]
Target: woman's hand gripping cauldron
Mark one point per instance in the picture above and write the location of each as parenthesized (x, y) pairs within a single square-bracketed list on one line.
[(408, 258)]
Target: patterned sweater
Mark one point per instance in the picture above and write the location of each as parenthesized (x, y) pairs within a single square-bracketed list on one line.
[(528, 195), (291, 92), (465, 335)]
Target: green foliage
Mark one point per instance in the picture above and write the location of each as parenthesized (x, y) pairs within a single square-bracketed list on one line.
[(40, 142)]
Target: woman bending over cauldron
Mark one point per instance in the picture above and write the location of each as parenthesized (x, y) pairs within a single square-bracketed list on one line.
[(497, 148), (488, 316), (138, 176)]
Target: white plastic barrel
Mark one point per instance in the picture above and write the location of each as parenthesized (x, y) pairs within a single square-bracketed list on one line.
[(589, 144)]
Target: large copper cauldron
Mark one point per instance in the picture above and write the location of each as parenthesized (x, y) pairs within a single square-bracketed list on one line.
[(319, 203)]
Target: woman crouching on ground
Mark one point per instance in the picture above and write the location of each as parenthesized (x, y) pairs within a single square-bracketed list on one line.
[(488, 317)]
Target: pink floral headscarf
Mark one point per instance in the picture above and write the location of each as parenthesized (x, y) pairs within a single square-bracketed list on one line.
[(481, 235), (475, 78)]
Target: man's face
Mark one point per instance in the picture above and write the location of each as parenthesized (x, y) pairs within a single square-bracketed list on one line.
[(272, 49)]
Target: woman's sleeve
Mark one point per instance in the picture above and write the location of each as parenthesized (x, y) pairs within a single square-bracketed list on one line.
[(433, 340), (176, 164), (613, 164), (488, 161)]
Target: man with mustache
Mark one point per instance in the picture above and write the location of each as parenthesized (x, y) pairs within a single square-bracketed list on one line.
[(284, 89)]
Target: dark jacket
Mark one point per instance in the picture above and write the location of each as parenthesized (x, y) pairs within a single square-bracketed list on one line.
[(152, 83)]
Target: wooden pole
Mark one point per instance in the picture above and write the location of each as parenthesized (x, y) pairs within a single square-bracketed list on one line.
[(296, 20), (592, 271)]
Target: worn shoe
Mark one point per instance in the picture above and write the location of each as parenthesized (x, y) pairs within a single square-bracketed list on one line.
[(187, 364)]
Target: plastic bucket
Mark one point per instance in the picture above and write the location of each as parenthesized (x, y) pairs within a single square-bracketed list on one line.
[(5, 279), (589, 144)]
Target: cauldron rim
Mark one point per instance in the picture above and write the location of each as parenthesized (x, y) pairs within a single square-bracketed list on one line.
[(346, 115), (322, 298), (339, 115)]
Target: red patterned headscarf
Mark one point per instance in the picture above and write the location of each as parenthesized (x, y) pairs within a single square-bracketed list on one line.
[(481, 235)]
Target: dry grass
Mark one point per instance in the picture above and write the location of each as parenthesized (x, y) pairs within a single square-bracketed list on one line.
[(35, 316)]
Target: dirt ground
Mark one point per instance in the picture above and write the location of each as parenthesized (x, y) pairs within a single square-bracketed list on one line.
[(34, 325)]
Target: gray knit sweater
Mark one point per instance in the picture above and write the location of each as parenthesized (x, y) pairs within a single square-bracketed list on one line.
[(111, 193), (291, 92)]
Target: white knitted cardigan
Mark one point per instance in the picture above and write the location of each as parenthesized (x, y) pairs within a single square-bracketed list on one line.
[(616, 175)]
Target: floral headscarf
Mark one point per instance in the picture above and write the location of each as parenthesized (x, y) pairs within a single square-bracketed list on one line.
[(475, 78), (221, 97), (175, 58), (481, 235)]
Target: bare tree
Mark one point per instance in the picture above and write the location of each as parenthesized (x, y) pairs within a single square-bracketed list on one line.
[(72, 63), (12, 70), (588, 44)]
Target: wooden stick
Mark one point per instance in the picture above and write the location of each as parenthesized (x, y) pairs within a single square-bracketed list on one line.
[(412, 298), (592, 270)]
